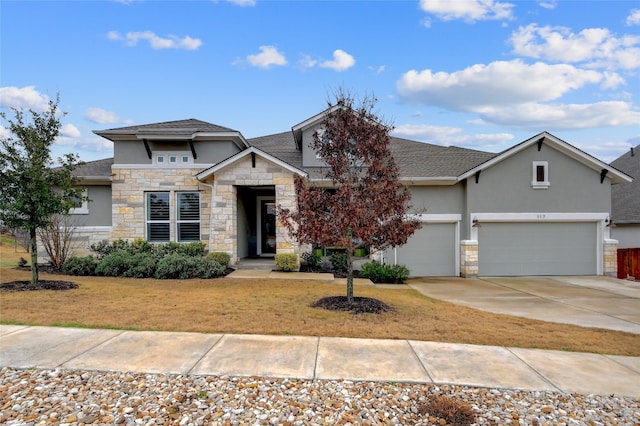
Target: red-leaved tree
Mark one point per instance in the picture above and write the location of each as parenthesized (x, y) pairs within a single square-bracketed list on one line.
[(366, 204)]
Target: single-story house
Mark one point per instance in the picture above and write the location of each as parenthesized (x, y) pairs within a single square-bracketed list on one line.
[(541, 207)]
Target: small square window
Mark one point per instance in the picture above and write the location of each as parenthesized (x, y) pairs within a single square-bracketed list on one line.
[(185, 159), (160, 159), (173, 159), (540, 178)]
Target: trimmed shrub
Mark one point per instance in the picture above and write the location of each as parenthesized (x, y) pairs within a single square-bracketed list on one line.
[(339, 262), (194, 248), (391, 274), (114, 264), (142, 265), (221, 257), (286, 262), (104, 248), (180, 266), (312, 259), (80, 265)]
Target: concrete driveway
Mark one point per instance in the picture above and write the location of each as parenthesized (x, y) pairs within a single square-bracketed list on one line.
[(601, 302)]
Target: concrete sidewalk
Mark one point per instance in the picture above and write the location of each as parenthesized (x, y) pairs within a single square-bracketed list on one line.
[(318, 358)]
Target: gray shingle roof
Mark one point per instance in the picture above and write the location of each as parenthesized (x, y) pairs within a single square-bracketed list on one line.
[(280, 145), (190, 125), (625, 197), (98, 168), (414, 159)]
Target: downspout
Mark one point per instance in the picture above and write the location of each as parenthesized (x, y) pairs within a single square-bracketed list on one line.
[(210, 212)]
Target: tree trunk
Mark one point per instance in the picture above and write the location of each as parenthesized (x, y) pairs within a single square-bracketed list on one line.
[(33, 243), (349, 275)]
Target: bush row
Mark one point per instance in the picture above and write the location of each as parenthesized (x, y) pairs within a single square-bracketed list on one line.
[(141, 259), (378, 273)]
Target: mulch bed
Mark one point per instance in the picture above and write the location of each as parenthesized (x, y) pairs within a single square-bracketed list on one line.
[(41, 285), (360, 305)]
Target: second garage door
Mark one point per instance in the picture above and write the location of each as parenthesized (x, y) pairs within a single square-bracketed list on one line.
[(512, 249), (430, 252)]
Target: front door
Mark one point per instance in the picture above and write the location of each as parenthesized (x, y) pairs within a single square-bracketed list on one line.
[(268, 226)]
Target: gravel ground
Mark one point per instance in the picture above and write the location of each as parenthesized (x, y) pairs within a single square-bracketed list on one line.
[(35, 397)]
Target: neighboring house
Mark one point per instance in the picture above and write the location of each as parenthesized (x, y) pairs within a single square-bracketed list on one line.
[(625, 202), (625, 212), (539, 208)]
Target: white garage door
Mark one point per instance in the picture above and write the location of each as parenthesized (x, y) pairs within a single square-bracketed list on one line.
[(430, 252), (511, 249)]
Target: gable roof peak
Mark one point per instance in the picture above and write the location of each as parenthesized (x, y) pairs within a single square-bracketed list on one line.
[(566, 148)]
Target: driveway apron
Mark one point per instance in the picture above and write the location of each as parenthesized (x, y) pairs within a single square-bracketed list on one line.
[(600, 302)]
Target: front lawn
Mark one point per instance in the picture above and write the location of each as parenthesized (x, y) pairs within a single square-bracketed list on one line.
[(277, 307)]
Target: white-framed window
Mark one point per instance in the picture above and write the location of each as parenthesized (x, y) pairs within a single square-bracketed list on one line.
[(158, 216), (81, 206), (170, 159), (188, 216), (159, 220), (540, 175)]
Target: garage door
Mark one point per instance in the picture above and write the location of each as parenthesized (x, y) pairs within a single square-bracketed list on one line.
[(430, 252), (511, 249)]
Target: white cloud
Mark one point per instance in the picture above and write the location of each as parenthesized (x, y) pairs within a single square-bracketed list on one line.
[(596, 47), (633, 18), (243, 3), (498, 83), (519, 96), (467, 10), (378, 70), (4, 133), (69, 130), (341, 61), (101, 116), (549, 4), (23, 98), (425, 132), (156, 42), (554, 117), (307, 62), (268, 57), (448, 136)]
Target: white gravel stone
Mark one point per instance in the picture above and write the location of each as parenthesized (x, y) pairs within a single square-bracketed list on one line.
[(33, 397)]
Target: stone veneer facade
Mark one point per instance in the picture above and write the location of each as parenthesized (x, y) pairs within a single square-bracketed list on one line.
[(225, 202), (468, 258), (610, 258), (128, 189)]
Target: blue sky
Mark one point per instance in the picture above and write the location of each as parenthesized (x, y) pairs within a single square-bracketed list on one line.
[(481, 74)]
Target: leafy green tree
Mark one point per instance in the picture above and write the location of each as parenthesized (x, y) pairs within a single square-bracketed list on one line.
[(366, 203), (32, 188)]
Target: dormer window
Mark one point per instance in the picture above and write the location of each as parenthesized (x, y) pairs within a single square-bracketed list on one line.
[(540, 178)]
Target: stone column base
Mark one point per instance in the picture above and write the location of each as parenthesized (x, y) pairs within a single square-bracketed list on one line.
[(610, 258), (468, 258)]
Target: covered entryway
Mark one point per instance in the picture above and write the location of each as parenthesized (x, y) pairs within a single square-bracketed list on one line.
[(246, 190), (432, 251), (256, 221), (537, 248)]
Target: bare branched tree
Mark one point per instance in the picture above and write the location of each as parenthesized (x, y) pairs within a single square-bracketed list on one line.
[(58, 239)]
